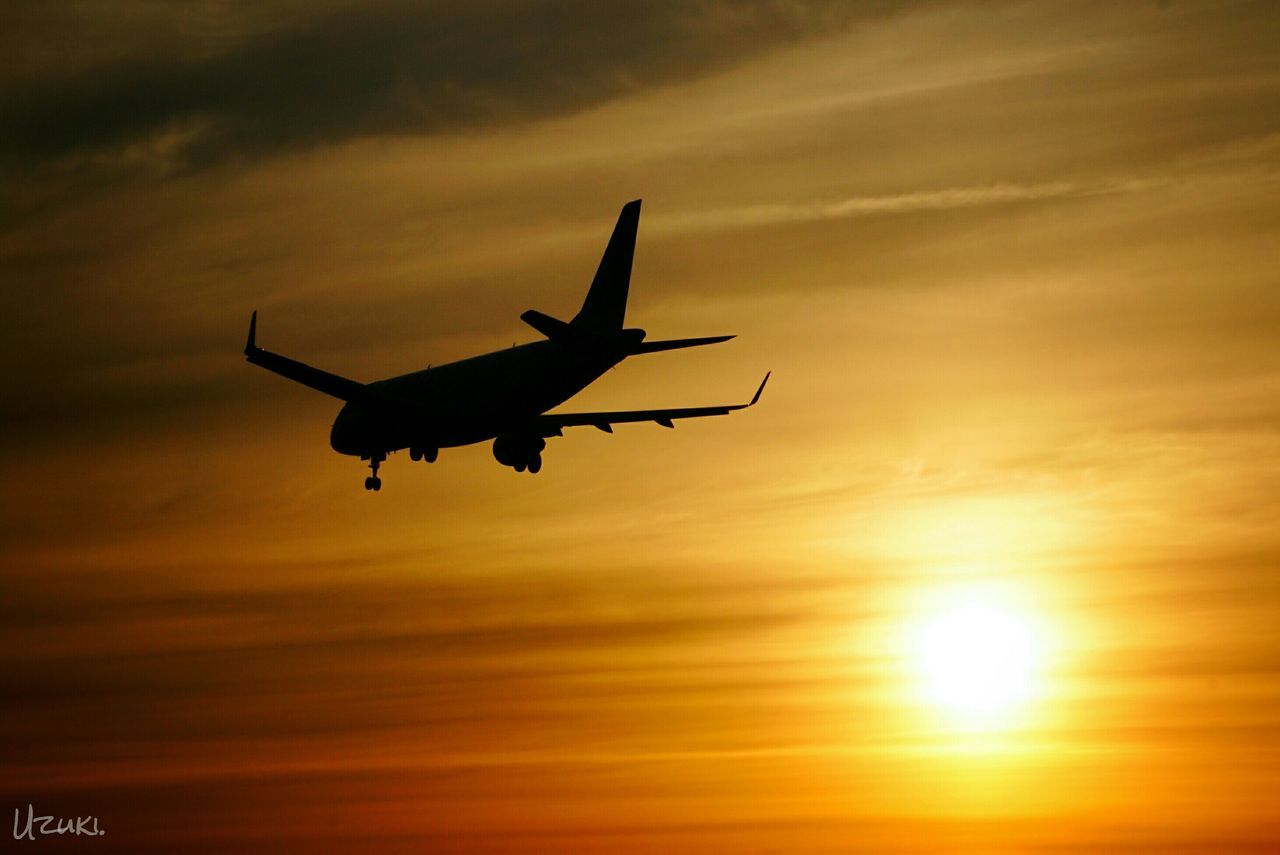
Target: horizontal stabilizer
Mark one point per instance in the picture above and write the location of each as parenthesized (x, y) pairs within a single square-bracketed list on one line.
[(553, 328), (677, 343), (569, 335)]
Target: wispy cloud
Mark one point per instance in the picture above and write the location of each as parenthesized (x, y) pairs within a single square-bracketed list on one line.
[(395, 68), (946, 199)]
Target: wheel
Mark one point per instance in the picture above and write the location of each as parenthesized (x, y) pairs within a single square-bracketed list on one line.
[(415, 454), (430, 454), (519, 467), (535, 464), (368, 483), (376, 483)]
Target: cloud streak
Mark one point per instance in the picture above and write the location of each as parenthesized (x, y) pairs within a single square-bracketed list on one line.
[(947, 199), (399, 68)]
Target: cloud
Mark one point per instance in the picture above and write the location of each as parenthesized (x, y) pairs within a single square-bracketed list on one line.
[(946, 199), (395, 69)]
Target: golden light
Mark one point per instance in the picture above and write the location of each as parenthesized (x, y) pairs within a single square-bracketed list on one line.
[(978, 658)]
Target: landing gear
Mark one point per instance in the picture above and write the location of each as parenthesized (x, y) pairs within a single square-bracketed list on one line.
[(373, 482), (417, 453)]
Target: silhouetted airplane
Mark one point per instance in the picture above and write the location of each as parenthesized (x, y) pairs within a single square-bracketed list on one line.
[(504, 395)]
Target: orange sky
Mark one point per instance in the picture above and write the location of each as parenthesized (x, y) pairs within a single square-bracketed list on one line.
[(1014, 266)]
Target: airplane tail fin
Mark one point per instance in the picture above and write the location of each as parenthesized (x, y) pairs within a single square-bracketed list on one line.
[(606, 302)]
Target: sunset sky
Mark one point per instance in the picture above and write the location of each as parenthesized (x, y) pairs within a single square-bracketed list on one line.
[(1015, 267)]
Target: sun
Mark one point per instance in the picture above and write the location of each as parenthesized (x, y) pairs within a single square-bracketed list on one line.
[(977, 658)]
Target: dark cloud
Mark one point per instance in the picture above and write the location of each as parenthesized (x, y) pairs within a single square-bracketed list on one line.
[(395, 69)]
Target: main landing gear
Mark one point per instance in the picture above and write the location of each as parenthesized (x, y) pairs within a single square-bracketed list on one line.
[(373, 482)]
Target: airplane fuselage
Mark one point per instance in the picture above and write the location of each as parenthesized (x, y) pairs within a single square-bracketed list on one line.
[(471, 400), (502, 396)]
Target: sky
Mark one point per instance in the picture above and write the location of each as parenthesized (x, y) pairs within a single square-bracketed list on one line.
[(1012, 264)]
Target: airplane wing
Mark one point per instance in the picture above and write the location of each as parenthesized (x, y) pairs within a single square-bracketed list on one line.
[(321, 381), (553, 423), (675, 344)]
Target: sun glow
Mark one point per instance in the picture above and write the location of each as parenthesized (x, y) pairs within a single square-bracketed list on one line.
[(977, 658)]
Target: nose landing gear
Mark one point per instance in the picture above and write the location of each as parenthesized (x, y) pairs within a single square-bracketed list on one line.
[(373, 482)]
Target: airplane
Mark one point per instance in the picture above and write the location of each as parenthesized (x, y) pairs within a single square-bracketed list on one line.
[(502, 396)]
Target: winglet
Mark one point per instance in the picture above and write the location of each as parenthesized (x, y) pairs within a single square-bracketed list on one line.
[(251, 344), (756, 396)]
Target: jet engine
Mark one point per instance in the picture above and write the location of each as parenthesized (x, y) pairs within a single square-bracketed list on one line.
[(519, 451)]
